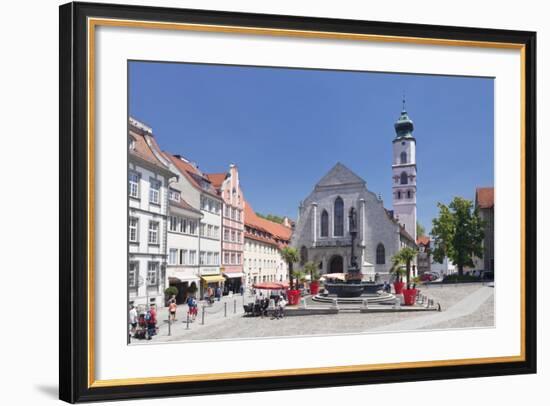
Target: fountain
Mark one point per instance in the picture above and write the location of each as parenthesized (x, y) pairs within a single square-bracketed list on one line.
[(354, 286)]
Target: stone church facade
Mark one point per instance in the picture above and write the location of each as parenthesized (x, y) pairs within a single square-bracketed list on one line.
[(322, 228)]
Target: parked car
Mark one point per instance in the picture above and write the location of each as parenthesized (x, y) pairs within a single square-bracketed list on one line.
[(428, 277)]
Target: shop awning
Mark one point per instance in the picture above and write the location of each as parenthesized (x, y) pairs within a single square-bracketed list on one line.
[(212, 278), (233, 274), (179, 275)]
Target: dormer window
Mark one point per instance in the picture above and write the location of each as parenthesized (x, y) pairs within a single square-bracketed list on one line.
[(174, 195), (131, 143)]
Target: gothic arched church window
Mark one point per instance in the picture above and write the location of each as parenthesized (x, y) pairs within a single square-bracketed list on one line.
[(403, 157), (339, 217), (404, 179), (324, 224), (380, 254)]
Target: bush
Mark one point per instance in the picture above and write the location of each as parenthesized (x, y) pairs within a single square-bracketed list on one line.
[(459, 278), (171, 291)]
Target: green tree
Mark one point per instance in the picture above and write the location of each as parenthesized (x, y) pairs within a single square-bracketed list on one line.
[(290, 256), (458, 233), (420, 230), (312, 269), (404, 256)]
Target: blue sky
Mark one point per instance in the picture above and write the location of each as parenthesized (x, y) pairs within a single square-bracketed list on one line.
[(285, 128)]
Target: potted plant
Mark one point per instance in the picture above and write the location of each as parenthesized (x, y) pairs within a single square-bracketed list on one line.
[(290, 256), (404, 256), (311, 268), (409, 294), (398, 284)]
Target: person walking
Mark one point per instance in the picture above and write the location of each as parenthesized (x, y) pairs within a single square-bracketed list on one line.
[(151, 322), (281, 304), (218, 293), (172, 307), (133, 320)]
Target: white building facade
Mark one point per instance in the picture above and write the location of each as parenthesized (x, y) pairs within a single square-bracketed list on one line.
[(148, 180), (183, 246), (263, 241), (197, 191)]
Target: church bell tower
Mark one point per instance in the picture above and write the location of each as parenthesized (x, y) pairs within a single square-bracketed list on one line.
[(404, 173)]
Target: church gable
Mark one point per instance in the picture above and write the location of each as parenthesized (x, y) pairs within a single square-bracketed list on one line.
[(339, 175)]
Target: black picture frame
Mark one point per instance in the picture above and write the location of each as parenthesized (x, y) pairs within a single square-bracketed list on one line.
[(74, 202)]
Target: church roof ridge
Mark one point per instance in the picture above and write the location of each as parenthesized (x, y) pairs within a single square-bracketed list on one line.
[(339, 175)]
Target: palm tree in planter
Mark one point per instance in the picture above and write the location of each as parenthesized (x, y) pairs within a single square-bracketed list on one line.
[(405, 256), (290, 256), (312, 269)]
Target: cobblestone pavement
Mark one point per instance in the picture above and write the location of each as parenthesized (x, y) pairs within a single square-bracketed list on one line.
[(463, 306)]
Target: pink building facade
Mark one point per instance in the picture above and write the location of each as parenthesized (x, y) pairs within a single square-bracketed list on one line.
[(228, 187)]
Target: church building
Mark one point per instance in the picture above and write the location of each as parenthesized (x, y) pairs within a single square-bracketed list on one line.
[(322, 229)]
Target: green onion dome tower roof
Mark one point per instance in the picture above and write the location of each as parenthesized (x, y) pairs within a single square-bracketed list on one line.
[(404, 126)]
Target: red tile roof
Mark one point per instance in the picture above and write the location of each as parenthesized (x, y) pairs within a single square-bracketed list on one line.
[(142, 149), (423, 240), (274, 230), (216, 179), (192, 173), (485, 197)]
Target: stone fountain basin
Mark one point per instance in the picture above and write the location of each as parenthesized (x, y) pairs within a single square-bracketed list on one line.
[(352, 289)]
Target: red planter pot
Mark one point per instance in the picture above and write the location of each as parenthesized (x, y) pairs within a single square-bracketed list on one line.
[(398, 286), (293, 297), (314, 287), (409, 296)]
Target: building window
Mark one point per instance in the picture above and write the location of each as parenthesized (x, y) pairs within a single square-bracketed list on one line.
[(202, 229), (152, 273), (133, 268), (192, 257), (133, 234), (174, 195), (226, 258), (403, 157), (133, 179), (153, 232), (233, 236), (192, 227), (409, 194), (209, 231), (324, 224), (154, 191), (399, 194), (209, 258), (338, 217), (226, 234), (173, 256), (183, 257), (233, 258), (173, 223), (216, 258), (380, 254), (238, 259), (404, 179), (202, 258)]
